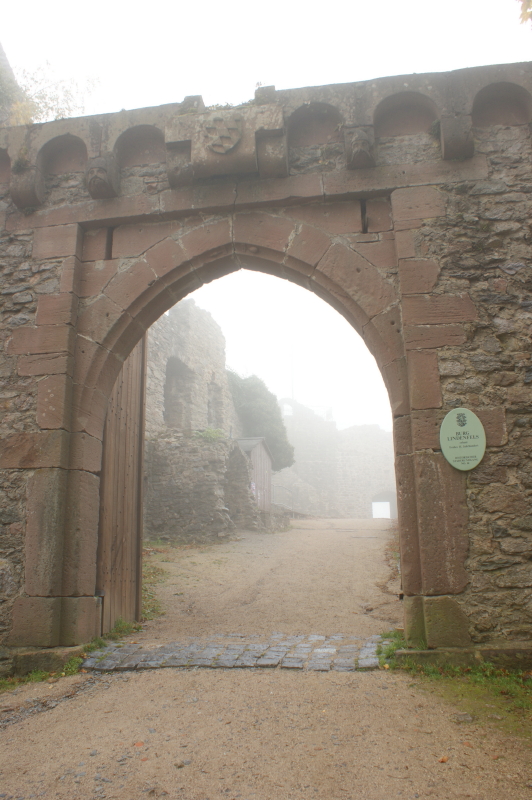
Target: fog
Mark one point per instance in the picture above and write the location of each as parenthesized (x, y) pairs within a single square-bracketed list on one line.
[(300, 347), (145, 56)]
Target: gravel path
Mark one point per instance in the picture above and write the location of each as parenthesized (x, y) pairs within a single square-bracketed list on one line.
[(258, 733)]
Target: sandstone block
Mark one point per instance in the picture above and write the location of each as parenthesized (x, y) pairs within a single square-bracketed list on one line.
[(424, 379), (395, 379), (206, 238), (56, 309), (426, 429), (381, 253), (96, 320), (420, 202), (46, 502), (378, 214), (418, 276), (80, 620), (89, 408), (335, 218), (134, 240), (41, 340), (405, 244), (166, 256), (54, 402), (95, 244), (353, 275), (96, 276), (446, 623), (263, 230), (71, 275), (384, 337), (34, 450), (85, 452), (309, 245), (47, 364), (438, 309), (81, 534), (402, 435), (426, 337), (414, 621), (128, 285), (442, 524), (57, 241), (36, 622), (411, 577)]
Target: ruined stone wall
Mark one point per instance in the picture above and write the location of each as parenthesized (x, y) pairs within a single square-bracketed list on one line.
[(196, 486), (186, 373), (336, 473), (186, 481)]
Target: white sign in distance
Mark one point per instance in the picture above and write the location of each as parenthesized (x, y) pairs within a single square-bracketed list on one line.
[(462, 439)]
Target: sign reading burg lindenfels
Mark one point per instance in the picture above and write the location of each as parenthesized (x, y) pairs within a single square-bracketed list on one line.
[(462, 439)]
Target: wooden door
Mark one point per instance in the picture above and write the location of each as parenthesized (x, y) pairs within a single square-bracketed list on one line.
[(119, 579)]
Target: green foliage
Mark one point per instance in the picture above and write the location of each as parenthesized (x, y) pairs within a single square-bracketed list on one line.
[(210, 434), (72, 666), (393, 640), (482, 690), (96, 644), (260, 414), (151, 575), (122, 628)]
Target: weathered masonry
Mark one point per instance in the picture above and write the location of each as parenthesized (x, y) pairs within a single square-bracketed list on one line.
[(403, 202)]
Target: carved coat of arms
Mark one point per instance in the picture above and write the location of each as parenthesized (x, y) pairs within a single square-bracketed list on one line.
[(223, 133)]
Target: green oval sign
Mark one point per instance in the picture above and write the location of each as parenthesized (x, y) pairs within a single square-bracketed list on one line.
[(462, 439)]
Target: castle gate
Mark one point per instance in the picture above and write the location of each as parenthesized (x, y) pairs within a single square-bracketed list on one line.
[(403, 202)]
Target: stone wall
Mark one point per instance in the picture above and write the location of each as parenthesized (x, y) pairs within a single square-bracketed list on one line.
[(186, 382), (197, 479), (336, 473), (405, 202), (196, 490)]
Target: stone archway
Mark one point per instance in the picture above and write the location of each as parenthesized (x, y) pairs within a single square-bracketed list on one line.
[(373, 221)]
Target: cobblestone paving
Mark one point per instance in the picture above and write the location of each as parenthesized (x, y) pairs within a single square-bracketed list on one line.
[(339, 652)]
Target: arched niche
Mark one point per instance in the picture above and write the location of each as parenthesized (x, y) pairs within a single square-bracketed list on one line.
[(5, 166), (141, 145), (404, 114), (63, 154), (314, 123), (502, 104)]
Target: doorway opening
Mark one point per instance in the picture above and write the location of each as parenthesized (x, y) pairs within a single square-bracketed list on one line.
[(201, 482)]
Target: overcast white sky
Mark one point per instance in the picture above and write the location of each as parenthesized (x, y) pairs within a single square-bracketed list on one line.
[(146, 54)]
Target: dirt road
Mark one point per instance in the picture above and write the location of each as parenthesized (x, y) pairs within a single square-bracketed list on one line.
[(258, 734)]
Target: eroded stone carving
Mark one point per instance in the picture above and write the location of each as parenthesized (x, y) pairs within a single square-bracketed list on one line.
[(222, 134), (101, 177), (204, 145), (359, 147)]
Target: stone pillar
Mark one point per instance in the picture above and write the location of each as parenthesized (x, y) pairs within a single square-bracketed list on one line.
[(58, 604)]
